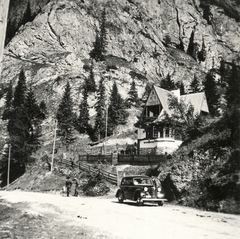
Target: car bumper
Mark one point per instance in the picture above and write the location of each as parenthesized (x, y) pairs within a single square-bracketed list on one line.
[(153, 200)]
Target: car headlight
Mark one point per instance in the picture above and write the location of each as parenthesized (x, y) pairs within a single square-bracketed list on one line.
[(159, 189), (145, 189)]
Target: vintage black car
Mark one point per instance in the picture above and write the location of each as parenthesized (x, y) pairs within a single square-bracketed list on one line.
[(141, 189)]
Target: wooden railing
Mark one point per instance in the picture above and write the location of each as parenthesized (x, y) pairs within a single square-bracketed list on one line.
[(93, 158), (110, 177), (86, 162), (140, 159), (132, 159)]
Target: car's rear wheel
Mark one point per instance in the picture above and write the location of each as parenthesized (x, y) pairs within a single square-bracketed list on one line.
[(120, 197), (160, 203), (139, 201)]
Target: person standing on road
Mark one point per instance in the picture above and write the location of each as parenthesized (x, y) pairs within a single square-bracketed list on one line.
[(68, 185), (75, 186)]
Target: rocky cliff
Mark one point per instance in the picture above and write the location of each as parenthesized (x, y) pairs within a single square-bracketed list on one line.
[(54, 42)]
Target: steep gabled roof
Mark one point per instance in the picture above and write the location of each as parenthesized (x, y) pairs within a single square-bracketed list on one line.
[(163, 96), (198, 100)]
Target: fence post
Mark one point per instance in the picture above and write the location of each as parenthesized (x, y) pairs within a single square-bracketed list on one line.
[(120, 175), (112, 158), (133, 159)]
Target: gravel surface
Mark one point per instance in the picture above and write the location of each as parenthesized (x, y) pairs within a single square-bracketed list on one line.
[(39, 215)]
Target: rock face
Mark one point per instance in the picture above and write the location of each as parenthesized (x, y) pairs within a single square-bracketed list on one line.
[(142, 42)]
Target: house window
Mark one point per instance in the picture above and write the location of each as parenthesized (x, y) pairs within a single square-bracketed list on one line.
[(155, 132), (153, 111), (166, 132), (161, 133)]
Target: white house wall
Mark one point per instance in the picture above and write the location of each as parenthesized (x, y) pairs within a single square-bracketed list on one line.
[(162, 146)]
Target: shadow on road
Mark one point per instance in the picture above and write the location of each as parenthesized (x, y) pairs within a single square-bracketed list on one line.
[(129, 203)]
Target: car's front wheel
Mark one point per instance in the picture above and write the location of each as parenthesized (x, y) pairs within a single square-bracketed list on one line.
[(139, 201), (120, 197)]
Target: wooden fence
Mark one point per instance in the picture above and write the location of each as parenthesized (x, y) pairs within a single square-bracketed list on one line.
[(140, 159), (85, 162), (111, 177), (94, 158), (118, 159)]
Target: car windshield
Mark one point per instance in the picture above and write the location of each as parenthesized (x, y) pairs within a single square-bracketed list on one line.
[(142, 181)]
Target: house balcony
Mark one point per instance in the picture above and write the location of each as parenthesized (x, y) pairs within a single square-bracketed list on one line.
[(161, 145), (148, 119)]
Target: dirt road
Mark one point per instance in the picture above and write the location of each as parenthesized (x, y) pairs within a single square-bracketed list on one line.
[(84, 217)]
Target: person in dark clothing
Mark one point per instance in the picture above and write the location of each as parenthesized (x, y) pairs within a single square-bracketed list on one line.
[(75, 186), (68, 185)]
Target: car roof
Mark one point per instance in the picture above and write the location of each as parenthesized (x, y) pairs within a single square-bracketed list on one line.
[(136, 176)]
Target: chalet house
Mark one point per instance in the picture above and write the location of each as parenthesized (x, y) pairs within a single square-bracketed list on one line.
[(155, 137)]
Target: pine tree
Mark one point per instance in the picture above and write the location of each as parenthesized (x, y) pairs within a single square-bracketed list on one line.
[(11, 29), (167, 83), (8, 102), (191, 48), (233, 89), (181, 87), (99, 46), (195, 86), (23, 125), (96, 51), (27, 16), (31, 105), (147, 91), (17, 126), (232, 114), (20, 90), (65, 117), (207, 13), (34, 117), (202, 54), (211, 92), (83, 119), (117, 113), (103, 33), (133, 95), (9, 96), (90, 82), (43, 110), (99, 128)]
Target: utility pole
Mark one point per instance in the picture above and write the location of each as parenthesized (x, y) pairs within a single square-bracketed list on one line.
[(9, 160), (106, 124), (106, 120), (4, 5), (54, 141)]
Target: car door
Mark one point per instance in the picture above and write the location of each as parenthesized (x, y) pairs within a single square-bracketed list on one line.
[(128, 188)]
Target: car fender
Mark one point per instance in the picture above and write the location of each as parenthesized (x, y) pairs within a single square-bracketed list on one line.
[(120, 190), (136, 194)]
